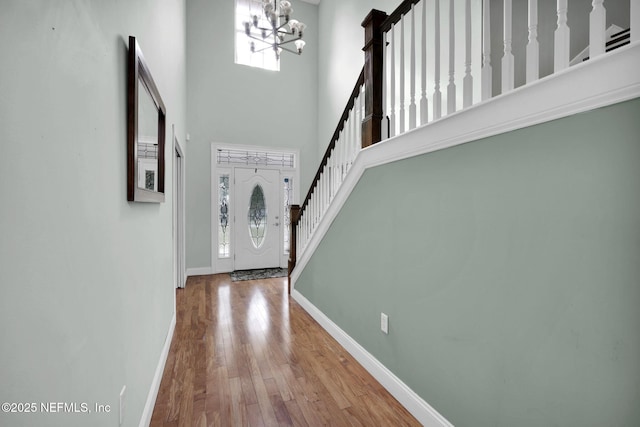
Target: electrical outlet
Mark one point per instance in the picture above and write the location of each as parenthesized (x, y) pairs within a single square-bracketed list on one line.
[(384, 323), (121, 407)]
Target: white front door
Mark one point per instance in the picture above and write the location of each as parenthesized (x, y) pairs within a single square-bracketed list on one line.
[(257, 218)]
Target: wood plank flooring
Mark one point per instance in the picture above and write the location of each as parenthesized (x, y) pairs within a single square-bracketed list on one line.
[(245, 354)]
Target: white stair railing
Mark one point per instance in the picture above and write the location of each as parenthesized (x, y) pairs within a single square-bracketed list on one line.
[(333, 169), (411, 73), (442, 37)]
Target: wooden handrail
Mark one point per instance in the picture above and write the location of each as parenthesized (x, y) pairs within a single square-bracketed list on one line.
[(334, 138), (395, 16)]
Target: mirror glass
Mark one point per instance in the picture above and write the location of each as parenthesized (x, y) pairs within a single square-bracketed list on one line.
[(147, 140)]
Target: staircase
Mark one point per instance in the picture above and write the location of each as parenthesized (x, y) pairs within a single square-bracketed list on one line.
[(399, 91)]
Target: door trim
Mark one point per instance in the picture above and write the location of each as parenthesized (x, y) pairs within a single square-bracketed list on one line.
[(225, 265), (179, 229)]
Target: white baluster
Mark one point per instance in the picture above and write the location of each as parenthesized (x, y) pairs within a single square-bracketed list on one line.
[(309, 215), (634, 20), (385, 110), (298, 241), (352, 130), (301, 234), (348, 136), (561, 39), (424, 104), (333, 172), (533, 48), (486, 51), (467, 82), (358, 125), (319, 199), (451, 87), (597, 28), (336, 170), (402, 89), (507, 59), (392, 83), (316, 208), (437, 96), (341, 141), (303, 231), (412, 71), (352, 135), (312, 211), (325, 191), (329, 171)]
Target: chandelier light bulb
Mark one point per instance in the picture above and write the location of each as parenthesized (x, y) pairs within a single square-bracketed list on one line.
[(299, 45), (293, 25), (301, 28)]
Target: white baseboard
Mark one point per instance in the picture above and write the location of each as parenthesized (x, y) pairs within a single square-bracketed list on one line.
[(145, 420), (199, 271), (420, 409)]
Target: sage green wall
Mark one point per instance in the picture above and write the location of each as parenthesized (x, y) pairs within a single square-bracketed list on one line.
[(236, 104), (86, 288), (508, 268)]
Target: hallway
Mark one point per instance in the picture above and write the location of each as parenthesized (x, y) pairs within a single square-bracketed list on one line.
[(243, 353)]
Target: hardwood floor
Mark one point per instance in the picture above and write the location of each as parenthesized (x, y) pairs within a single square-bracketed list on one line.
[(244, 353)]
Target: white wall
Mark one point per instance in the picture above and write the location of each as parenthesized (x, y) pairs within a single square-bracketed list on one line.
[(86, 292), (236, 104)]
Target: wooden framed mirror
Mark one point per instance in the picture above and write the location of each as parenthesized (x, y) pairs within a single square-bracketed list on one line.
[(145, 131)]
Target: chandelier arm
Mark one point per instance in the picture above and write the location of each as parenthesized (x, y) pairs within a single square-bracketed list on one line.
[(288, 33), (289, 41), (281, 26)]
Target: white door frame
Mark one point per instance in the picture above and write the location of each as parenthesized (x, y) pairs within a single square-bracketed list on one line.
[(225, 265), (179, 181)]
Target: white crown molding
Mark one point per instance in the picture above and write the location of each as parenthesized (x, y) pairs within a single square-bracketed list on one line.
[(420, 409), (316, 2), (145, 419), (605, 80)]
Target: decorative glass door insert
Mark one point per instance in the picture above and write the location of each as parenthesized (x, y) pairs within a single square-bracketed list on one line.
[(257, 216), (223, 216)]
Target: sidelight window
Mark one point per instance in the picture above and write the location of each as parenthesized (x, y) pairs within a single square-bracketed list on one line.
[(223, 217)]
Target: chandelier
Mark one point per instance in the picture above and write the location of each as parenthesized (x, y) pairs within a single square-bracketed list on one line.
[(270, 31)]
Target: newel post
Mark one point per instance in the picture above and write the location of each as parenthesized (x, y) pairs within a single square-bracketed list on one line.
[(373, 67), (295, 217)]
